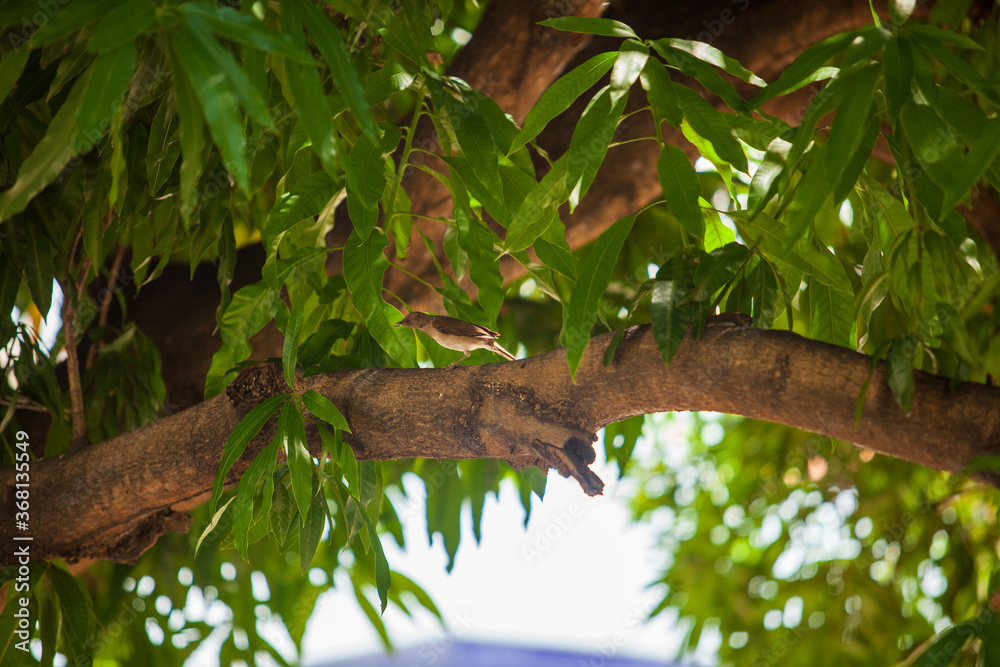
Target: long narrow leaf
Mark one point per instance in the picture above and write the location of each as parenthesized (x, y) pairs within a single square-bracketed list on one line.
[(331, 45), (48, 158), (320, 406), (710, 124), (560, 95), (300, 465), (681, 188), (217, 98), (591, 25), (589, 144), (364, 265), (238, 440), (366, 183), (594, 276)]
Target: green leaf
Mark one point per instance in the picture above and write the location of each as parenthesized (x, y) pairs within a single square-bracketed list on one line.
[(899, 371), (705, 74), (163, 148), (594, 276), (717, 234), (590, 25), (849, 124), (961, 113), (629, 430), (591, 138), (934, 145), (236, 79), (238, 440), (306, 91), (832, 314), (804, 66), (681, 188), (10, 283), (955, 331), (249, 311), (39, 269), (536, 478), (304, 201), (300, 465), (70, 18), (246, 29), (763, 282), (383, 83), (107, 80), (538, 209), (715, 269), (767, 176), (856, 165), (943, 36), (942, 649), (560, 95), (670, 320), (893, 219), (813, 192), (631, 60), (192, 130), (366, 183), (48, 158), (130, 19), (383, 578), (11, 65), (974, 164), (803, 256), (321, 406), (897, 64), (192, 55), (474, 138), (261, 469), (554, 252), (290, 348), (477, 240), (364, 264), (314, 522), (318, 346), (660, 90), (216, 518), (711, 125), (77, 614), (713, 56), (327, 38)]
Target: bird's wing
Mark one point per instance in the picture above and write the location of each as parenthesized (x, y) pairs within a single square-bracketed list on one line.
[(454, 327)]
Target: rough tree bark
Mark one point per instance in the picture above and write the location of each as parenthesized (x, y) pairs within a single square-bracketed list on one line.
[(112, 500)]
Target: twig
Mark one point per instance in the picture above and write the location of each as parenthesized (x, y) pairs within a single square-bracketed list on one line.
[(73, 367), (102, 319)]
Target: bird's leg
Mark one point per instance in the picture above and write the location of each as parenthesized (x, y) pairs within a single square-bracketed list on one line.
[(458, 361)]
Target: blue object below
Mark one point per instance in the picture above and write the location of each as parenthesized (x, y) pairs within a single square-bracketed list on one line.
[(474, 654)]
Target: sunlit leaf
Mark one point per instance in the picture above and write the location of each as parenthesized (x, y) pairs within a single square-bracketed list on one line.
[(584, 301)]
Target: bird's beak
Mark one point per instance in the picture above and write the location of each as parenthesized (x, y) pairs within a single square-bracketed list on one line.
[(399, 324)]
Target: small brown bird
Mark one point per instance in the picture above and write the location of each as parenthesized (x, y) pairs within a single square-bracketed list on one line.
[(455, 334)]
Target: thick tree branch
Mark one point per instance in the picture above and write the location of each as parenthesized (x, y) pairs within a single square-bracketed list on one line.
[(113, 499)]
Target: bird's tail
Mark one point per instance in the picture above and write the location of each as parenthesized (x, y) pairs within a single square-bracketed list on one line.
[(502, 352)]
